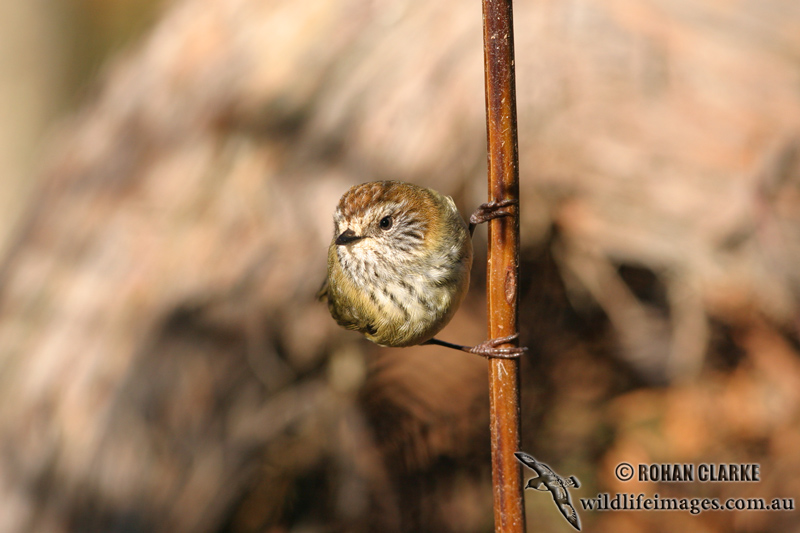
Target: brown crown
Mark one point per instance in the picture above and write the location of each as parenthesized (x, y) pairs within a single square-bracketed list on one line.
[(360, 198)]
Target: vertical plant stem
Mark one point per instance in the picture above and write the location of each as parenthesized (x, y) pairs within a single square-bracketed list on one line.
[(503, 262)]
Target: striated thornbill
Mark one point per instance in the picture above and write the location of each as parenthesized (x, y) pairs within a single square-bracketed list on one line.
[(399, 263)]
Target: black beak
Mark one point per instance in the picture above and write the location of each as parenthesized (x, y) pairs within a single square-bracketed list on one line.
[(347, 237)]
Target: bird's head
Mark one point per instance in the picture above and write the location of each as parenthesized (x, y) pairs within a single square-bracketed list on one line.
[(534, 483), (385, 219)]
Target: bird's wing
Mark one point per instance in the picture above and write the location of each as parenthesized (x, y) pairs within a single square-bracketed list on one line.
[(322, 293), (547, 471), (570, 514), (527, 460), (542, 469)]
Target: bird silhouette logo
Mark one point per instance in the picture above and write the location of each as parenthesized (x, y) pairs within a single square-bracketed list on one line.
[(547, 479)]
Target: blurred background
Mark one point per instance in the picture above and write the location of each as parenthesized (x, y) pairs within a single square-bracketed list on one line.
[(169, 174)]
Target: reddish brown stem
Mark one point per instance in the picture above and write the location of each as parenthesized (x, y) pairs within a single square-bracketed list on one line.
[(503, 261)]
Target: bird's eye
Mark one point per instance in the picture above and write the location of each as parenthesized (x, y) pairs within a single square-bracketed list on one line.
[(386, 223)]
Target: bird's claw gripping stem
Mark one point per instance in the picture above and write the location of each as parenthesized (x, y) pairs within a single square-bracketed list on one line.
[(490, 349), (490, 211)]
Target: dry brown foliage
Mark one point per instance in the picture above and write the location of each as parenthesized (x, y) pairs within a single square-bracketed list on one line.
[(165, 366)]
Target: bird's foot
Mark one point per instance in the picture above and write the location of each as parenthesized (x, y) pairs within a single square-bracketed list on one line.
[(492, 210), (490, 349)]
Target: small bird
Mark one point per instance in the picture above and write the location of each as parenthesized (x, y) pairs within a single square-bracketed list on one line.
[(399, 263), (558, 486)]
